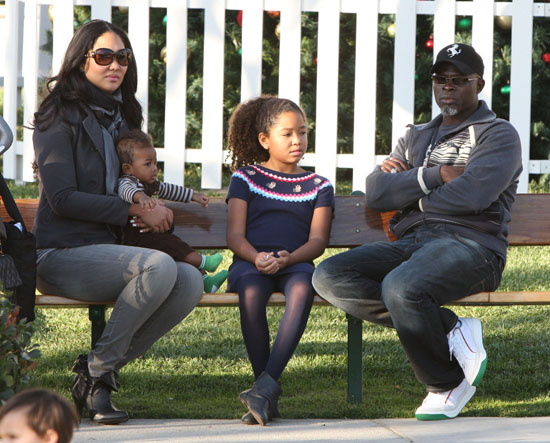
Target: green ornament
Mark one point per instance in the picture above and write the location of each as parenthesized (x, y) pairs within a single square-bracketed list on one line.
[(240, 51), (465, 23), (415, 77), (505, 90), (164, 20)]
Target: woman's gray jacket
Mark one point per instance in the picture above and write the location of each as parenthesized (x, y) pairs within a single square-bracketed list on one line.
[(73, 208)]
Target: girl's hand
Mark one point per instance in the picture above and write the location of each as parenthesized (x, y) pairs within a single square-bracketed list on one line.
[(201, 199), (266, 263), (284, 259)]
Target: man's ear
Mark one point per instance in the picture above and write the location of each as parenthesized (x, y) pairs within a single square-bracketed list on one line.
[(480, 85), (263, 138), (126, 168)]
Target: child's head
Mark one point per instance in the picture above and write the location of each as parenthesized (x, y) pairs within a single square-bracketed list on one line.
[(37, 416), (138, 156), (252, 122)]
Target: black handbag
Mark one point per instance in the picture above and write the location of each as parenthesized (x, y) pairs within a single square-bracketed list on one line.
[(19, 245)]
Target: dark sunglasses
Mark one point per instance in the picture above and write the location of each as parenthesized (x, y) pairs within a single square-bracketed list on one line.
[(455, 81), (104, 56)]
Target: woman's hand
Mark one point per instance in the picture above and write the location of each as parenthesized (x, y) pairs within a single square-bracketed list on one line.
[(266, 263), (157, 219)]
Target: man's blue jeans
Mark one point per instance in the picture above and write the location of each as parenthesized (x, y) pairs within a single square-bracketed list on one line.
[(404, 284)]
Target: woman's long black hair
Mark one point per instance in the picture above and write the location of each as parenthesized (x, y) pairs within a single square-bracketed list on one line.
[(70, 85)]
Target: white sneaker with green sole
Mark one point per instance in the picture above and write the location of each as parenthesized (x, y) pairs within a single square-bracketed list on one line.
[(445, 405), (466, 345)]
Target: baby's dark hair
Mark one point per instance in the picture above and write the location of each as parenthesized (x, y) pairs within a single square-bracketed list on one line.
[(248, 121), (45, 410), (131, 141)]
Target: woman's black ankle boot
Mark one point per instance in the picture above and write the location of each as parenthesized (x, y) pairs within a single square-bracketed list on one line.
[(248, 418), (262, 400), (94, 393)]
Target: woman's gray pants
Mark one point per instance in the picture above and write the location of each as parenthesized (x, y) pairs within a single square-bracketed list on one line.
[(153, 294)]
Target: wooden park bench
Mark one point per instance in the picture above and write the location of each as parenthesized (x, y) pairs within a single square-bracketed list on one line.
[(353, 225)]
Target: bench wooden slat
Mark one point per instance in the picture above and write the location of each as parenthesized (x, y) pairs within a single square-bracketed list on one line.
[(277, 298), (353, 223), (501, 298), (63, 302), (205, 228), (214, 299), (27, 208), (232, 299), (530, 220)]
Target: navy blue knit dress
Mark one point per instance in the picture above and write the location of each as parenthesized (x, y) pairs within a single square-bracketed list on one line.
[(279, 213)]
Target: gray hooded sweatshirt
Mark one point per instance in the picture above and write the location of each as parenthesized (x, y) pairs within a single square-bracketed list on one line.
[(476, 204)]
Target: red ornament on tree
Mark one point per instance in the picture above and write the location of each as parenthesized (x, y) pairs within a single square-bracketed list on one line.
[(240, 18), (273, 13), (430, 43), (546, 57)]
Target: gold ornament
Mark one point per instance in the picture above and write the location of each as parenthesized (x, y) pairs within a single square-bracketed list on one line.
[(504, 22), (163, 54), (50, 13), (278, 30), (123, 9), (391, 30)]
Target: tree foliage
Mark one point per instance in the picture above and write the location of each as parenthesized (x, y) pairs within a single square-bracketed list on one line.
[(540, 112)]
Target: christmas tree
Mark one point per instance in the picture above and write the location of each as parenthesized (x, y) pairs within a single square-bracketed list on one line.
[(540, 112)]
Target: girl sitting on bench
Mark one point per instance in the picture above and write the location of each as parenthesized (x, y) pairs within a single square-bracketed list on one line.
[(279, 219)]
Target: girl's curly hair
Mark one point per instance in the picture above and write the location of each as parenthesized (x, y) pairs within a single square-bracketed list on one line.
[(251, 118)]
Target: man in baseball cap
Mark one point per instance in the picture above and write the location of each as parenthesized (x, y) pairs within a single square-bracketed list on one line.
[(457, 77), (463, 56), (453, 182)]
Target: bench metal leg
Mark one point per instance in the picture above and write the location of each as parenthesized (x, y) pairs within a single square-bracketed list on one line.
[(355, 359), (96, 314)]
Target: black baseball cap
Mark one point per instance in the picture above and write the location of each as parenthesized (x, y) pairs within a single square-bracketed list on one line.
[(464, 57)]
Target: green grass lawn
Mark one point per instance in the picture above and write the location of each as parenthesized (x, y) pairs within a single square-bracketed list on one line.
[(198, 369)]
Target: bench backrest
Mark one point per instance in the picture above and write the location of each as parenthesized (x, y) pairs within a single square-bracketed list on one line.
[(353, 223)]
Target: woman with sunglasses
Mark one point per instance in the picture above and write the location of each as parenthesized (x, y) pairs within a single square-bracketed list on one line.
[(91, 102)]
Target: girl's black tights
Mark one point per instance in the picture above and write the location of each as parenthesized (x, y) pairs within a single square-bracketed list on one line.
[(254, 291)]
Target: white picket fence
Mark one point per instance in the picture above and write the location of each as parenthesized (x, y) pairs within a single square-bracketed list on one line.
[(19, 34)]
